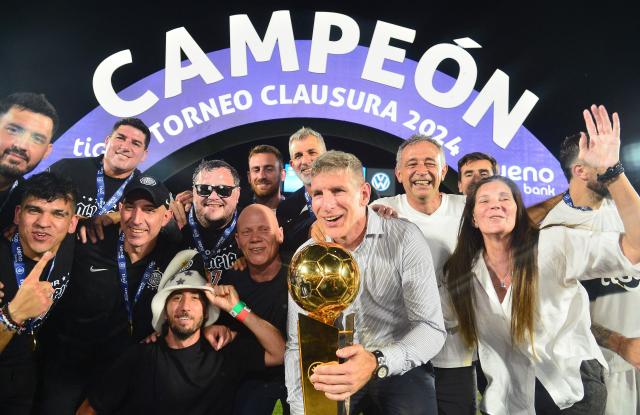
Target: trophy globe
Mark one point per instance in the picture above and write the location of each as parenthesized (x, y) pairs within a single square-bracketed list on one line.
[(324, 279)]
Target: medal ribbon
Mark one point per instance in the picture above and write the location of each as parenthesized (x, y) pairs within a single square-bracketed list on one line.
[(124, 280), (195, 232), (100, 193)]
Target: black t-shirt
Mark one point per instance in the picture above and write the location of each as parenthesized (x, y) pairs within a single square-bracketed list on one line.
[(155, 379), (94, 312), (83, 172), (222, 258), (9, 199), (267, 300), (19, 351)]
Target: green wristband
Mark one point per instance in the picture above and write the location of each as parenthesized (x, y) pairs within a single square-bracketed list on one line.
[(237, 308)]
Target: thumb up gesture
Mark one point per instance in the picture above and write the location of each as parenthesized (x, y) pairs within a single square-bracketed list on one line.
[(34, 297)]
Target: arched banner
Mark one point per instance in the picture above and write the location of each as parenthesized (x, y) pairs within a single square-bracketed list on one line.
[(341, 93)]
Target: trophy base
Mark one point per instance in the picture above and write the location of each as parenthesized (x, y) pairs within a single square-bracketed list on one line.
[(318, 344)]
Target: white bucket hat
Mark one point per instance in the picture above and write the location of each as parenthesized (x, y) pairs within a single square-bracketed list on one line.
[(184, 272)]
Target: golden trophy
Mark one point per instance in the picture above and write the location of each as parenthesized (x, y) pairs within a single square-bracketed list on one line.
[(323, 280)]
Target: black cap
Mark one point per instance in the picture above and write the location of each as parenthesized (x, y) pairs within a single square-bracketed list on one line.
[(154, 188)]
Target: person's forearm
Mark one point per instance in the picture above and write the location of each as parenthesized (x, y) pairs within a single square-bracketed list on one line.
[(269, 338), (607, 338), (628, 204), (403, 355)]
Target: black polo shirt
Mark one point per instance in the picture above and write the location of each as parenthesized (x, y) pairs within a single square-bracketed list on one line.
[(94, 310), (19, 351), (83, 172)]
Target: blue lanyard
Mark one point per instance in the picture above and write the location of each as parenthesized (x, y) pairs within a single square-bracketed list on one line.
[(195, 232), (19, 269), (308, 200), (100, 193), (124, 280), (567, 199)]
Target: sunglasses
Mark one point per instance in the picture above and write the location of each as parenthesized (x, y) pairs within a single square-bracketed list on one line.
[(221, 190)]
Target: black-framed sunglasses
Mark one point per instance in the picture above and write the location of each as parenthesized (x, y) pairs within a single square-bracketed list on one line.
[(221, 190)]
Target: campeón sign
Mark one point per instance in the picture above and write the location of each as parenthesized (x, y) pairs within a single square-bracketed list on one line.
[(277, 76)]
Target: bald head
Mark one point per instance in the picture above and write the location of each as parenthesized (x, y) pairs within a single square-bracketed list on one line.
[(258, 235), (257, 211)]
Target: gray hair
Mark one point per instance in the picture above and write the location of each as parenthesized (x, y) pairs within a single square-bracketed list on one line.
[(209, 165), (334, 160), (419, 138), (303, 133)]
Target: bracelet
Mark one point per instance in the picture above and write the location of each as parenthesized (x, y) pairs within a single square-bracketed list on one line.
[(611, 173), (240, 311), (6, 319)]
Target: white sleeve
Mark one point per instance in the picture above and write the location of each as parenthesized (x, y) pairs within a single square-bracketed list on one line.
[(292, 360), (587, 254)]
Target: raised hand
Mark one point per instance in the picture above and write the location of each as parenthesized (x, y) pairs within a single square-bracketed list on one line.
[(603, 147), (34, 297), (180, 207), (223, 296)]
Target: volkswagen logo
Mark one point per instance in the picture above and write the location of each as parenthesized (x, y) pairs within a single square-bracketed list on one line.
[(380, 181)]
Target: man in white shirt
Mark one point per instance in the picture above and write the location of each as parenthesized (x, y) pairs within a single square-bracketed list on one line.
[(587, 204), (399, 325), (421, 167)]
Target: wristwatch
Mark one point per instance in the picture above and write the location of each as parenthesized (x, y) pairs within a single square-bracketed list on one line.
[(381, 371)]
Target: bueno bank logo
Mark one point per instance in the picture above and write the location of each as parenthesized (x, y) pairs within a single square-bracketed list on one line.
[(332, 77), (532, 180)]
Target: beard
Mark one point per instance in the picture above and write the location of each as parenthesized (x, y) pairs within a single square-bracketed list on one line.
[(9, 170), (266, 193), (599, 189), (181, 332)]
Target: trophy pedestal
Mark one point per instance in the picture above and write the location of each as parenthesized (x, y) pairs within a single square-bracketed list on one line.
[(318, 343)]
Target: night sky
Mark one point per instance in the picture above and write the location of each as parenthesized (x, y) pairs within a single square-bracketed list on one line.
[(568, 55)]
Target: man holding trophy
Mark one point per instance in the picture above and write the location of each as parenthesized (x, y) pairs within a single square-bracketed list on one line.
[(398, 319)]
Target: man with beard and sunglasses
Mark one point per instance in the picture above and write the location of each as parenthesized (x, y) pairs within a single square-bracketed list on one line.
[(181, 373), (265, 175), (211, 220), (101, 180), (587, 204), (27, 124)]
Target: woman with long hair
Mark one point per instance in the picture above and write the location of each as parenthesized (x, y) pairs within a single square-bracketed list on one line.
[(516, 291)]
